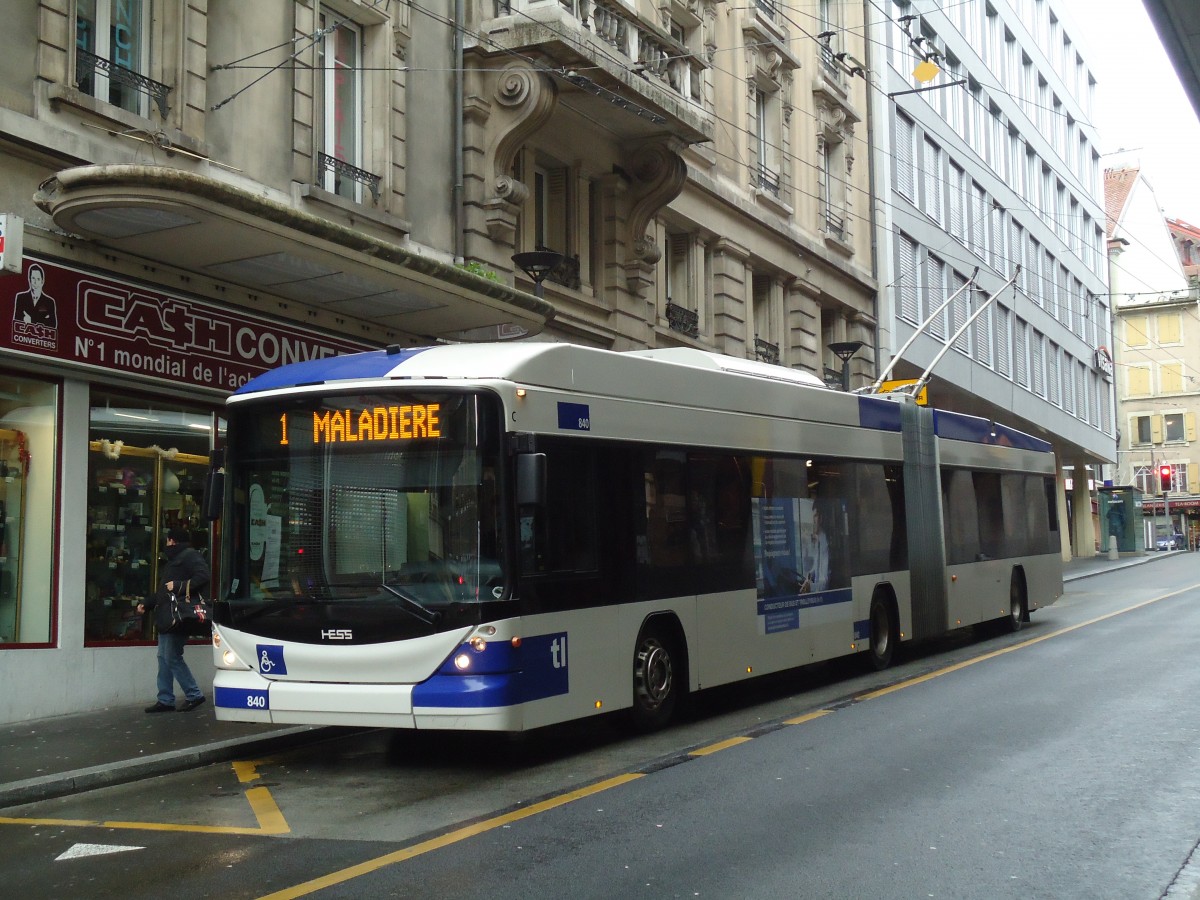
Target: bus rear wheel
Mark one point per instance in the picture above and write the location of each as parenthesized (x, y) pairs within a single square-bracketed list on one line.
[(655, 688), (884, 634), (1017, 613)]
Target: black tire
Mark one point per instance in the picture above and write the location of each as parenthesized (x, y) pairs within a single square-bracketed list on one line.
[(655, 680), (885, 634), (1017, 610)]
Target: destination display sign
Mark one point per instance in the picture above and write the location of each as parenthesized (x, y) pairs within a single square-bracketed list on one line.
[(379, 424)]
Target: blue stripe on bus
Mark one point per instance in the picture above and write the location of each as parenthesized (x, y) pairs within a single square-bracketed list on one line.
[(542, 670), (882, 415), (961, 427), (372, 364)]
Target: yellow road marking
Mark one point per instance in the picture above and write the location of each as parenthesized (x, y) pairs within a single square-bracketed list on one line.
[(445, 840), (720, 745), (262, 804), (270, 819), (807, 717), (246, 771), (135, 826)]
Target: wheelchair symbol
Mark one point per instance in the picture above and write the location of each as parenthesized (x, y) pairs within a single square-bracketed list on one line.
[(265, 664)]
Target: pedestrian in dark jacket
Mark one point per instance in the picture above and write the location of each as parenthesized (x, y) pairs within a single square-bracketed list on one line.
[(185, 570)]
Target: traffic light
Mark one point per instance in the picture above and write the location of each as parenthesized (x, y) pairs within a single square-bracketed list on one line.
[(1164, 477)]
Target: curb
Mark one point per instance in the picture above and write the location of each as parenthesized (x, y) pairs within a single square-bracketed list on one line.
[(48, 787), (1126, 564)]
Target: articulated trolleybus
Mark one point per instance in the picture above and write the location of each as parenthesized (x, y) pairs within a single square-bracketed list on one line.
[(502, 537)]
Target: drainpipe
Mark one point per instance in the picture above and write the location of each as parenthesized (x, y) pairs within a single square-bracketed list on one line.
[(459, 208)]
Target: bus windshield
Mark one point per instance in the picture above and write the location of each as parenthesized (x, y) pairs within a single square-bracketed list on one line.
[(374, 507)]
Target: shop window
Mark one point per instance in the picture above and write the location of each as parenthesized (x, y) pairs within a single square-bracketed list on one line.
[(28, 451), (147, 460)]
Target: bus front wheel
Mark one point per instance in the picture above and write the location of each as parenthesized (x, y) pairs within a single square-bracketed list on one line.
[(655, 688)]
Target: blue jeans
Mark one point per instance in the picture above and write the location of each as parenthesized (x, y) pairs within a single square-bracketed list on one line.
[(172, 668)]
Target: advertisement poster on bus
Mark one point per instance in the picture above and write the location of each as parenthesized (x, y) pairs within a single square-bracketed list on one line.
[(796, 559)]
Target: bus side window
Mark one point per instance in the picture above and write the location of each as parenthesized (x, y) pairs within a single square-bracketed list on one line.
[(990, 510), (561, 534), (667, 536), (960, 517), (719, 508)]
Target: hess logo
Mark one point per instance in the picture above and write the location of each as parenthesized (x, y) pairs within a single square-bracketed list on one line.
[(337, 634)]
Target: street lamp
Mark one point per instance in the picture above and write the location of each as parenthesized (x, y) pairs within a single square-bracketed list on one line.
[(843, 350), (537, 264)]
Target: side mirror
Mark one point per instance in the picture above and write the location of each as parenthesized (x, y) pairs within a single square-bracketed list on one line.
[(214, 486), (531, 479)]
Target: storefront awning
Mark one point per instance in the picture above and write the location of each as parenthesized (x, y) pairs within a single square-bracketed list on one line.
[(230, 233)]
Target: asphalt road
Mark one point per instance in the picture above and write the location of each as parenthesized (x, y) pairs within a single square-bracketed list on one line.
[(1060, 762)]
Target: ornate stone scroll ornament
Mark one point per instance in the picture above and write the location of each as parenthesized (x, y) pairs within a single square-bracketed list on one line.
[(658, 173), (525, 99)]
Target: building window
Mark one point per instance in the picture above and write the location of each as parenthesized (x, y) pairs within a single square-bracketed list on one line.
[(1143, 430), (112, 52), (1179, 427), (1137, 380), (147, 459), (833, 186), (681, 291), (932, 178), (905, 157), (768, 139), (28, 526), (907, 279), (1146, 479), (765, 313), (981, 331), (1168, 324), (340, 111), (1170, 378), (1137, 330)]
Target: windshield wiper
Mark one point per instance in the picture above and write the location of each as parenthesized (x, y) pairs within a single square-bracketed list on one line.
[(412, 605)]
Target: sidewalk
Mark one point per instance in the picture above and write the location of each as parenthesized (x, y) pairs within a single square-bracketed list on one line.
[(46, 758)]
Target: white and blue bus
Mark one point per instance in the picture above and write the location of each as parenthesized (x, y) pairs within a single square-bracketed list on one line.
[(503, 537)]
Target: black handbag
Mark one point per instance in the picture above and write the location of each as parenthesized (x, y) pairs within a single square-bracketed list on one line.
[(190, 613), (164, 612)]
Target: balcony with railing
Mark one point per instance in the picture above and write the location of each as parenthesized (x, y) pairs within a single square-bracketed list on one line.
[(346, 175), (620, 62), (835, 225), (89, 68), (685, 321), (765, 351), (768, 179)]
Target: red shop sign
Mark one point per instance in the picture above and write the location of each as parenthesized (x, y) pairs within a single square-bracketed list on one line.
[(74, 316)]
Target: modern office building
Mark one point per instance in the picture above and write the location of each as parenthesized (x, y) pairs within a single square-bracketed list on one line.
[(989, 191)]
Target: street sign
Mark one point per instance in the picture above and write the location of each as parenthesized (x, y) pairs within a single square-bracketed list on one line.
[(888, 386)]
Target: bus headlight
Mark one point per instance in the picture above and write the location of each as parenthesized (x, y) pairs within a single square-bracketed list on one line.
[(462, 662), (229, 659)]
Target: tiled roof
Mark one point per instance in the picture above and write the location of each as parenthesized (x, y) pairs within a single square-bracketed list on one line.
[(1117, 185), (1184, 229)]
